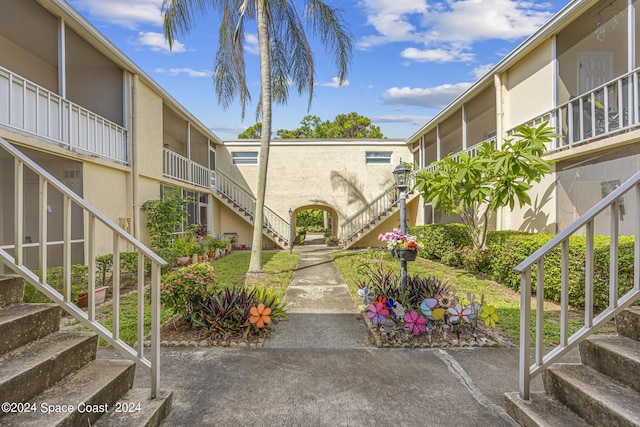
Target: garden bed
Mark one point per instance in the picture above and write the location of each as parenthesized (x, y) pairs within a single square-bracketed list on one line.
[(399, 337)]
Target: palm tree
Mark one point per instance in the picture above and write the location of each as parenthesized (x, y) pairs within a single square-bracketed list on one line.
[(285, 59)]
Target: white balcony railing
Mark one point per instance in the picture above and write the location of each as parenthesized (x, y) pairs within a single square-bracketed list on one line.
[(32, 109), (602, 112), (182, 169)]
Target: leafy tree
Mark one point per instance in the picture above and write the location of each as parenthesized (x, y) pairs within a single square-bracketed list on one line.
[(310, 219), (252, 132), (349, 126), (164, 215), (471, 187), (286, 59)]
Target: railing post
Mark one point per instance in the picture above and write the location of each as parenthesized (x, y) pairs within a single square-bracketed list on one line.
[(18, 210), (525, 331), (155, 328)]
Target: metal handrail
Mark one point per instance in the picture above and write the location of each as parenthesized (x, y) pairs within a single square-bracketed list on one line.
[(31, 108), (245, 201), (369, 213), (120, 237), (592, 322)]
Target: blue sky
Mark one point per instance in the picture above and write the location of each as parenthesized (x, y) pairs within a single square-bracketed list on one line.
[(410, 59)]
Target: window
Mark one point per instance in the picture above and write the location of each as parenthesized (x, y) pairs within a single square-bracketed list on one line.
[(378, 158), (245, 158)]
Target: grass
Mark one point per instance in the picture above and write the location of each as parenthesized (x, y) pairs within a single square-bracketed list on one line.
[(230, 271), (506, 301)]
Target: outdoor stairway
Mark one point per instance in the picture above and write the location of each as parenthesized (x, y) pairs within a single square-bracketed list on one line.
[(602, 390), (371, 216), (243, 203), (53, 378)]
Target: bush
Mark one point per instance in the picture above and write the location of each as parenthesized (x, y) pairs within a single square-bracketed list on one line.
[(184, 290), (443, 242), (475, 260)]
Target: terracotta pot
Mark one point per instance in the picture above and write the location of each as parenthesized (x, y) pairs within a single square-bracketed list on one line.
[(101, 293)]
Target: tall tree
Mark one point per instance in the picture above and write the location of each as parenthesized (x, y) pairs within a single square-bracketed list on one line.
[(285, 59), (473, 187), (348, 126)]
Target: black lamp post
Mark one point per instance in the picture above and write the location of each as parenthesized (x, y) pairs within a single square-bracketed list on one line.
[(401, 174), (290, 231)]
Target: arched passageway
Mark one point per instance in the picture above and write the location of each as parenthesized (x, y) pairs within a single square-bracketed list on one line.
[(314, 224)]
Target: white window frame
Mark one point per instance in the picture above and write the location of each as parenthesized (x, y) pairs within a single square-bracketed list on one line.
[(378, 157), (244, 158)]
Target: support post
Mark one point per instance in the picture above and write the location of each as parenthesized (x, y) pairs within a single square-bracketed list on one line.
[(403, 229)]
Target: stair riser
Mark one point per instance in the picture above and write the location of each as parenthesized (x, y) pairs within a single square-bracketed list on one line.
[(32, 382), (11, 290), (628, 323), (612, 364), (109, 395), (580, 402), (29, 328)]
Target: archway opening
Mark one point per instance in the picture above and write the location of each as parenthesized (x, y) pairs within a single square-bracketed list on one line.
[(315, 225)]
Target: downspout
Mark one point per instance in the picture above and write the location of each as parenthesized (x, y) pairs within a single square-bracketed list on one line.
[(62, 60), (497, 81), (135, 168)]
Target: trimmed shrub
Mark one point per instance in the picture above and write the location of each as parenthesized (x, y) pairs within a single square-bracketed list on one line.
[(443, 242)]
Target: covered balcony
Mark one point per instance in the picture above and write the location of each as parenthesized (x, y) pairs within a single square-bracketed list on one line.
[(57, 87)]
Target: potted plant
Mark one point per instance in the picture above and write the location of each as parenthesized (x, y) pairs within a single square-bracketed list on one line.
[(83, 298), (402, 246)]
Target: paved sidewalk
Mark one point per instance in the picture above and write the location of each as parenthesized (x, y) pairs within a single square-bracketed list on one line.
[(316, 370)]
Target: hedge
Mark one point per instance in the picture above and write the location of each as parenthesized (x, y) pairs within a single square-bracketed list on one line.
[(448, 243)]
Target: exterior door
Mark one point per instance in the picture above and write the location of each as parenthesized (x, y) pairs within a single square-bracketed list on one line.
[(594, 69)]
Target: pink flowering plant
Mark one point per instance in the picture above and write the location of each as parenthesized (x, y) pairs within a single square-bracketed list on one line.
[(396, 240), (427, 311), (183, 289)]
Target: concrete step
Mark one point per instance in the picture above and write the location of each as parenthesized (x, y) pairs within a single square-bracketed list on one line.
[(541, 411), (136, 408), (596, 398), (615, 356), (29, 370), (628, 323), (23, 323), (11, 290), (80, 399)]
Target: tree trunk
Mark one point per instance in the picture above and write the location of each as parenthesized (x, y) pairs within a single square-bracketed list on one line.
[(255, 265)]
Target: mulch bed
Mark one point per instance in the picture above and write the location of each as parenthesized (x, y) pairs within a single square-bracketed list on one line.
[(178, 333)]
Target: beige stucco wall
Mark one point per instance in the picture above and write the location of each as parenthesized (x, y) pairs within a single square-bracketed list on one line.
[(107, 190), (325, 173), (149, 125), (528, 85), (538, 217)]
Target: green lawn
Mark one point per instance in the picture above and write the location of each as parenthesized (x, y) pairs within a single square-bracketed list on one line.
[(506, 301)]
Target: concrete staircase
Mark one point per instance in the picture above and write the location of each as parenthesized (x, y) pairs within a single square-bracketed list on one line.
[(371, 219), (50, 377), (603, 390)]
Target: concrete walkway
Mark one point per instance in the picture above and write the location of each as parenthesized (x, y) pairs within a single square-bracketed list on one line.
[(317, 370)]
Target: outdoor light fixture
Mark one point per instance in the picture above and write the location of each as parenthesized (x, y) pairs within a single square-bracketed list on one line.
[(401, 173)]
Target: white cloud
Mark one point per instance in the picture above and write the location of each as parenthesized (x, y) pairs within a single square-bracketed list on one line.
[(126, 13), (157, 43), (400, 118), (436, 55), (335, 83), (188, 71), (448, 28), (251, 43), (434, 97), (481, 70)]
